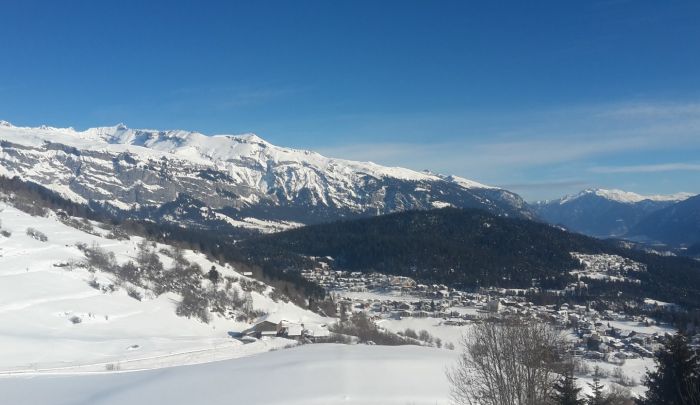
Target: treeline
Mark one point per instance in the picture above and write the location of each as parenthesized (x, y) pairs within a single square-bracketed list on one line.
[(459, 247)]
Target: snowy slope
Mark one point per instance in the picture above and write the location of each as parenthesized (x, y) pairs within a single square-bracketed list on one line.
[(130, 168), (314, 375), (40, 301)]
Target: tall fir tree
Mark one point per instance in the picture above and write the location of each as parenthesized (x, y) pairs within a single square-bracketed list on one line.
[(676, 380), (565, 390), (596, 397)]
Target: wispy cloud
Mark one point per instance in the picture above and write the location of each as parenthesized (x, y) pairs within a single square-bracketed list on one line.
[(656, 168), (471, 154), (653, 110), (560, 145)]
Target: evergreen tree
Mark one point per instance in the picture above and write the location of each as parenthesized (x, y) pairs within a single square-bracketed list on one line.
[(596, 397), (676, 380), (214, 276), (565, 390)]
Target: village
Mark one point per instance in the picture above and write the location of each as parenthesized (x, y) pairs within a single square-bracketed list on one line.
[(606, 336)]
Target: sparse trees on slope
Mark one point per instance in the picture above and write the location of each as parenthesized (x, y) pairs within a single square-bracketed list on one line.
[(507, 364), (676, 380)]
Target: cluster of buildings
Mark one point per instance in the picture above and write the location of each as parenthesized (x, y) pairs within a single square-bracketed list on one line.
[(599, 335), (356, 281), (608, 267), (275, 325)]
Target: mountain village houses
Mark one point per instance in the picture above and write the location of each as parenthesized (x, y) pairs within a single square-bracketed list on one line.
[(598, 335)]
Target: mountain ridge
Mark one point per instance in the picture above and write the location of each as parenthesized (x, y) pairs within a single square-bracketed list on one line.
[(244, 175), (611, 213)]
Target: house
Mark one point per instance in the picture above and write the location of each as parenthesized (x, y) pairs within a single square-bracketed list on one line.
[(262, 328), (290, 329), (494, 305)]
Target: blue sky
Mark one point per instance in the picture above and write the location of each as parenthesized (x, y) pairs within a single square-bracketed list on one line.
[(544, 97)]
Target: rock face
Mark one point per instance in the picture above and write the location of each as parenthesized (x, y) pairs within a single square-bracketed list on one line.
[(603, 213), (241, 180)]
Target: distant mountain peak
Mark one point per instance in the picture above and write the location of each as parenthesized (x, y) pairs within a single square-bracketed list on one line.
[(626, 197)]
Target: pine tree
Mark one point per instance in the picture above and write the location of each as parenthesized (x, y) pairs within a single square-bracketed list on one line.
[(565, 390), (596, 397), (676, 380)]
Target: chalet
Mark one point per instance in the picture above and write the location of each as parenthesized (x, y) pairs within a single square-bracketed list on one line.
[(290, 329), (262, 328)]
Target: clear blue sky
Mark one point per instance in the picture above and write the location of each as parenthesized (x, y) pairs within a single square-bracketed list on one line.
[(543, 97)]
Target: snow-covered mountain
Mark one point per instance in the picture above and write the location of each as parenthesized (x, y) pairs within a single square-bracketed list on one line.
[(241, 180), (678, 224), (626, 197), (601, 212)]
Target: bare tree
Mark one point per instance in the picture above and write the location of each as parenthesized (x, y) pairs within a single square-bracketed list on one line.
[(512, 363)]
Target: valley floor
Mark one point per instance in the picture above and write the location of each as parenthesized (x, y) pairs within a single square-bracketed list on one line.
[(314, 374)]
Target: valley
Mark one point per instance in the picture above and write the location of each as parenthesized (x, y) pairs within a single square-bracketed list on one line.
[(182, 272)]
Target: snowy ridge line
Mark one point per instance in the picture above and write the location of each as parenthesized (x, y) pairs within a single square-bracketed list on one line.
[(626, 197), (146, 169), (209, 150)]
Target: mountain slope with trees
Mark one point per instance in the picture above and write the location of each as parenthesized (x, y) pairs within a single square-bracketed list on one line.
[(470, 248)]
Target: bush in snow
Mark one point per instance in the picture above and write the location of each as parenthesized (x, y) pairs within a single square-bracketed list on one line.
[(99, 258), (4, 232), (134, 293), (366, 331), (129, 272), (75, 319), (424, 335), (94, 283), (193, 305), (410, 333), (38, 235), (117, 233), (277, 295)]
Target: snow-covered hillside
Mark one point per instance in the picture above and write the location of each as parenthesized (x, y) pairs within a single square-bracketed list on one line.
[(315, 374), (57, 315), (130, 169)]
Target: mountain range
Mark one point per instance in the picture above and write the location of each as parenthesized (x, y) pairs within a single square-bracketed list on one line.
[(242, 184), (667, 219), (239, 180)]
